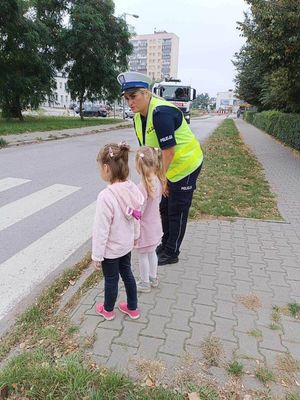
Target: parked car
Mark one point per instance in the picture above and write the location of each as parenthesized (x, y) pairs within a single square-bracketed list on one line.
[(92, 110), (72, 106), (129, 113)]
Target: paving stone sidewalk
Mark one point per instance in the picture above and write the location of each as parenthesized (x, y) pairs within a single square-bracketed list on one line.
[(199, 296)]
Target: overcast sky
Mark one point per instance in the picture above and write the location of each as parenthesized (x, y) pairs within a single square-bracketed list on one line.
[(207, 32)]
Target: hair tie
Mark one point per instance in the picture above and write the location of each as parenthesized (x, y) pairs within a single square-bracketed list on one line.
[(110, 152), (142, 155)]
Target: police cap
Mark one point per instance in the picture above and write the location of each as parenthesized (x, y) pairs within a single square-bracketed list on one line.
[(132, 81)]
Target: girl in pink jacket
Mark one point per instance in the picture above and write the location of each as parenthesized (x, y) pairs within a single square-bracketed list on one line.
[(117, 213), (149, 167)]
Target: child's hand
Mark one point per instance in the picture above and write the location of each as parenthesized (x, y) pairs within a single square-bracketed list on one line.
[(96, 265)]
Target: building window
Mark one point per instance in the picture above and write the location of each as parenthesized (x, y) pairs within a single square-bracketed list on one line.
[(56, 96), (61, 99), (60, 85), (66, 99), (66, 86)]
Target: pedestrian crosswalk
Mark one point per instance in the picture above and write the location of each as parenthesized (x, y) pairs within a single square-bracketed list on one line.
[(27, 268), (26, 206), (8, 183)]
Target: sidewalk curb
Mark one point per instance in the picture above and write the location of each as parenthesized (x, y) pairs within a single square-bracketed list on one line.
[(66, 135), (72, 290)]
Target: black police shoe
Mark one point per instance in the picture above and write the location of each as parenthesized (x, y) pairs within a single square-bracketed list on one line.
[(159, 249), (164, 259)]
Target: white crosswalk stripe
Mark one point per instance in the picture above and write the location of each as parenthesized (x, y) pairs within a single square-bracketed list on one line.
[(26, 206), (8, 183), (29, 267)]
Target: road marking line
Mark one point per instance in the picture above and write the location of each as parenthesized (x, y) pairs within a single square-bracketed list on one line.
[(26, 269), (26, 206), (8, 183)]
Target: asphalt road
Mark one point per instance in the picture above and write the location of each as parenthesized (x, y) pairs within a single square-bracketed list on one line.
[(47, 195)]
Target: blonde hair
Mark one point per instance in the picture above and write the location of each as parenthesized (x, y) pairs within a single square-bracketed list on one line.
[(149, 160), (116, 157)]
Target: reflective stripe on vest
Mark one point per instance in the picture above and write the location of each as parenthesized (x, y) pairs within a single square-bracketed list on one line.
[(188, 154)]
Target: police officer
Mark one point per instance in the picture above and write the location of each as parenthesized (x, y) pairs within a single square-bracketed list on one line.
[(158, 123)]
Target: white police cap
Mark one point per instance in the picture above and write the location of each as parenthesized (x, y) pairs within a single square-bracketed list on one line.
[(131, 81)]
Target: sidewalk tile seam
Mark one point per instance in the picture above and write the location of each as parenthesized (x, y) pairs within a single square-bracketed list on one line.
[(168, 354), (151, 337)]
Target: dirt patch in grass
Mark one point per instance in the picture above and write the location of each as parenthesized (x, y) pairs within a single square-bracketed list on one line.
[(287, 368), (288, 363), (232, 183), (150, 371), (250, 301), (212, 351)]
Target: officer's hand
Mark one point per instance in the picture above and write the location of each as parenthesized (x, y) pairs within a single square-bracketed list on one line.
[(165, 191), (96, 265)]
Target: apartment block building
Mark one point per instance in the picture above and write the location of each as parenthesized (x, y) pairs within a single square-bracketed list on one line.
[(60, 96), (155, 55), (227, 101)]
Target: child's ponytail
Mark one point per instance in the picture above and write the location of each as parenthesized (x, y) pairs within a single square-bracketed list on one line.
[(159, 165), (146, 164)]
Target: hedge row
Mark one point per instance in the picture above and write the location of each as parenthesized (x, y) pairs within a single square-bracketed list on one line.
[(285, 127)]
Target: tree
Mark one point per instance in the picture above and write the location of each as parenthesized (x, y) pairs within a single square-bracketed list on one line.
[(250, 76), (270, 60), (28, 33), (201, 101), (97, 46)]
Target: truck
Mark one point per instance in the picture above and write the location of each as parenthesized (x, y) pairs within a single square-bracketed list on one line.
[(178, 93)]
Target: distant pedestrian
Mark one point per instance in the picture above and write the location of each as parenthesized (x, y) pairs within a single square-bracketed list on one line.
[(115, 229), (149, 166)]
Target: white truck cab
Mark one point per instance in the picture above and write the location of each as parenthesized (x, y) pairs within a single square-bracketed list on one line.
[(176, 92)]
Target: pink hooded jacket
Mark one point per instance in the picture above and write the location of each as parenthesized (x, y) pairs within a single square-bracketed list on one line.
[(151, 226), (115, 224)]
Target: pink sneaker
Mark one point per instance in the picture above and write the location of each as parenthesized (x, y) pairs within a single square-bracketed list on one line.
[(133, 314), (109, 315)]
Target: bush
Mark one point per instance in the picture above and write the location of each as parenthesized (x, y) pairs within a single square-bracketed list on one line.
[(249, 115), (285, 127)]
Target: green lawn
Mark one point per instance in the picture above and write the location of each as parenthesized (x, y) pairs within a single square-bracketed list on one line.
[(42, 124), (232, 183)]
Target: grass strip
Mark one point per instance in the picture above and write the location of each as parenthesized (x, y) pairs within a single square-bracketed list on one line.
[(38, 376), (43, 124), (232, 183)]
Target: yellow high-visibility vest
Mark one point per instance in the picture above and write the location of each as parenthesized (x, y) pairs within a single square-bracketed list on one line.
[(188, 154)]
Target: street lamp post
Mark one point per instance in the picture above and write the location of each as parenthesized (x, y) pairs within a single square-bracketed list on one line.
[(124, 16)]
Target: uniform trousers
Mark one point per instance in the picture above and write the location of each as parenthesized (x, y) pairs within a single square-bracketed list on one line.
[(174, 211)]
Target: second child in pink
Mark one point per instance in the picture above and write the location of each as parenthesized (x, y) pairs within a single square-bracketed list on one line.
[(149, 167)]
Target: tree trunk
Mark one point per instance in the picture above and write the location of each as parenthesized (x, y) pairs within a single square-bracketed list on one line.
[(18, 109), (12, 109), (80, 107)]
